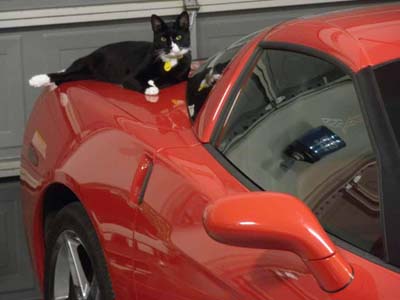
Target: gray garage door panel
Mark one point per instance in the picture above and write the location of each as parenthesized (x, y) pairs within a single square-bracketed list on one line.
[(16, 276), (64, 47), (11, 95), (7, 5)]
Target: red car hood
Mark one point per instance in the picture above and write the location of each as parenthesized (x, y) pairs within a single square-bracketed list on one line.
[(161, 121), (167, 110)]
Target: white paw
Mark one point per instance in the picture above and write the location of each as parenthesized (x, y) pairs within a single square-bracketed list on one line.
[(40, 80), (217, 77), (152, 90)]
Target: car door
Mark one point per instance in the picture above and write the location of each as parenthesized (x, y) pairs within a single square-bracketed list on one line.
[(302, 123)]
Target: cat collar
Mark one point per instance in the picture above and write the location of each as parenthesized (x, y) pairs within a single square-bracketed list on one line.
[(169, 64)]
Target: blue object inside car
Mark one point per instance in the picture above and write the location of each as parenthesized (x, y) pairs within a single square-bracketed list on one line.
[(314, 145)]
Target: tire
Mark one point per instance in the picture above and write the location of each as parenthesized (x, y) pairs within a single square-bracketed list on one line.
[(75, 267)]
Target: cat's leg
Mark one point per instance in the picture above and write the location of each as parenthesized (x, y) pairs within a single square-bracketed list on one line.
[(132, 83), (59, 78), (78, 70)]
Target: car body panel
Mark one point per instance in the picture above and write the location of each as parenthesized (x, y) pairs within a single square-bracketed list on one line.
[(91, 137), (71, 130), (347, 36)]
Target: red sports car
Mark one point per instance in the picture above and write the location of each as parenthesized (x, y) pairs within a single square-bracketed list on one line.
[(272, 173)]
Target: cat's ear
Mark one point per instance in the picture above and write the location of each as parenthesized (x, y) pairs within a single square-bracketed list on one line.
[(157, 23), (183, 21)]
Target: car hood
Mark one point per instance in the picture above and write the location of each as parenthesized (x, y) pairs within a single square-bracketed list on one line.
[(161, 121), (167, 110)]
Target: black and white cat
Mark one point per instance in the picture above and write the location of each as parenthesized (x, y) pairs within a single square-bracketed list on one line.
[(141, 66)]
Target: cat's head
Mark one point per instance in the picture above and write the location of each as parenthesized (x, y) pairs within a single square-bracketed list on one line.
[(171, 40)]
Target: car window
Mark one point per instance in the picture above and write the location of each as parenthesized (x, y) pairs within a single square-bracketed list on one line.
[(388, 80), (296, 127), (203, 79)]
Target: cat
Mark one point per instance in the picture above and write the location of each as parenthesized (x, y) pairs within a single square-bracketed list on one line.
[(140, 66)]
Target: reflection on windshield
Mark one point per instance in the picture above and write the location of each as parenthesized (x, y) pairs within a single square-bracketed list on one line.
[(204, 78)]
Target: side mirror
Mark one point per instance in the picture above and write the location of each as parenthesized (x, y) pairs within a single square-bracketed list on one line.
[(278, 221)]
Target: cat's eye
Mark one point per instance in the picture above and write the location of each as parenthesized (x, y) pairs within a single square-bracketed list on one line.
[(178, 37), (163, 39)]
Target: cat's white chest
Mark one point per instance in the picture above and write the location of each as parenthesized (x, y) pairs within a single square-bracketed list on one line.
[(173, 62)]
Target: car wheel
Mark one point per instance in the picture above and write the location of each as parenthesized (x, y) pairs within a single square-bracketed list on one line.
[(75, 265)]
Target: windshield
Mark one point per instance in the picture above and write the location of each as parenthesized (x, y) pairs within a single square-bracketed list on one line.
[(388, 79), (204, 78)]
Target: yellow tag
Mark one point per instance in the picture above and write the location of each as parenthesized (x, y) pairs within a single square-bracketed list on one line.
[(203, 85), (167, 66)]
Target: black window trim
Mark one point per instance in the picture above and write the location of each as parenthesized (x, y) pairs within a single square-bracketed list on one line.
[(232, 96), (388, 155), (385, 63), (370, 108)]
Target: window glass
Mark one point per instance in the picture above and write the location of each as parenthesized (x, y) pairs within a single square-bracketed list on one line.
[(388, 78), (296, 127), (203, 79)]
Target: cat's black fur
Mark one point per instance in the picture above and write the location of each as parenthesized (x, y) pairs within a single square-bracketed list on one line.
[(133, 63)]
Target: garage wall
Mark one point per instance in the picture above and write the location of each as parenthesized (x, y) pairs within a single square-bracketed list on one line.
[(10, 5), (17, 280)]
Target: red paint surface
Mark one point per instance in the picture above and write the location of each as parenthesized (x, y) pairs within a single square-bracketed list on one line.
[(95, 135), (359, 38)]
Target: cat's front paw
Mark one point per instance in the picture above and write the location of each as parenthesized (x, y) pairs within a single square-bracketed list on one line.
[(39, 80), (152, 89)]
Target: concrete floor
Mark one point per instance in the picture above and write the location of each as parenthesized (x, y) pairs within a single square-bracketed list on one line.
[(17, 280)]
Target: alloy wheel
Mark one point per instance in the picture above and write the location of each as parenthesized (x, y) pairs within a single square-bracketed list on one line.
[(74, 278)]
